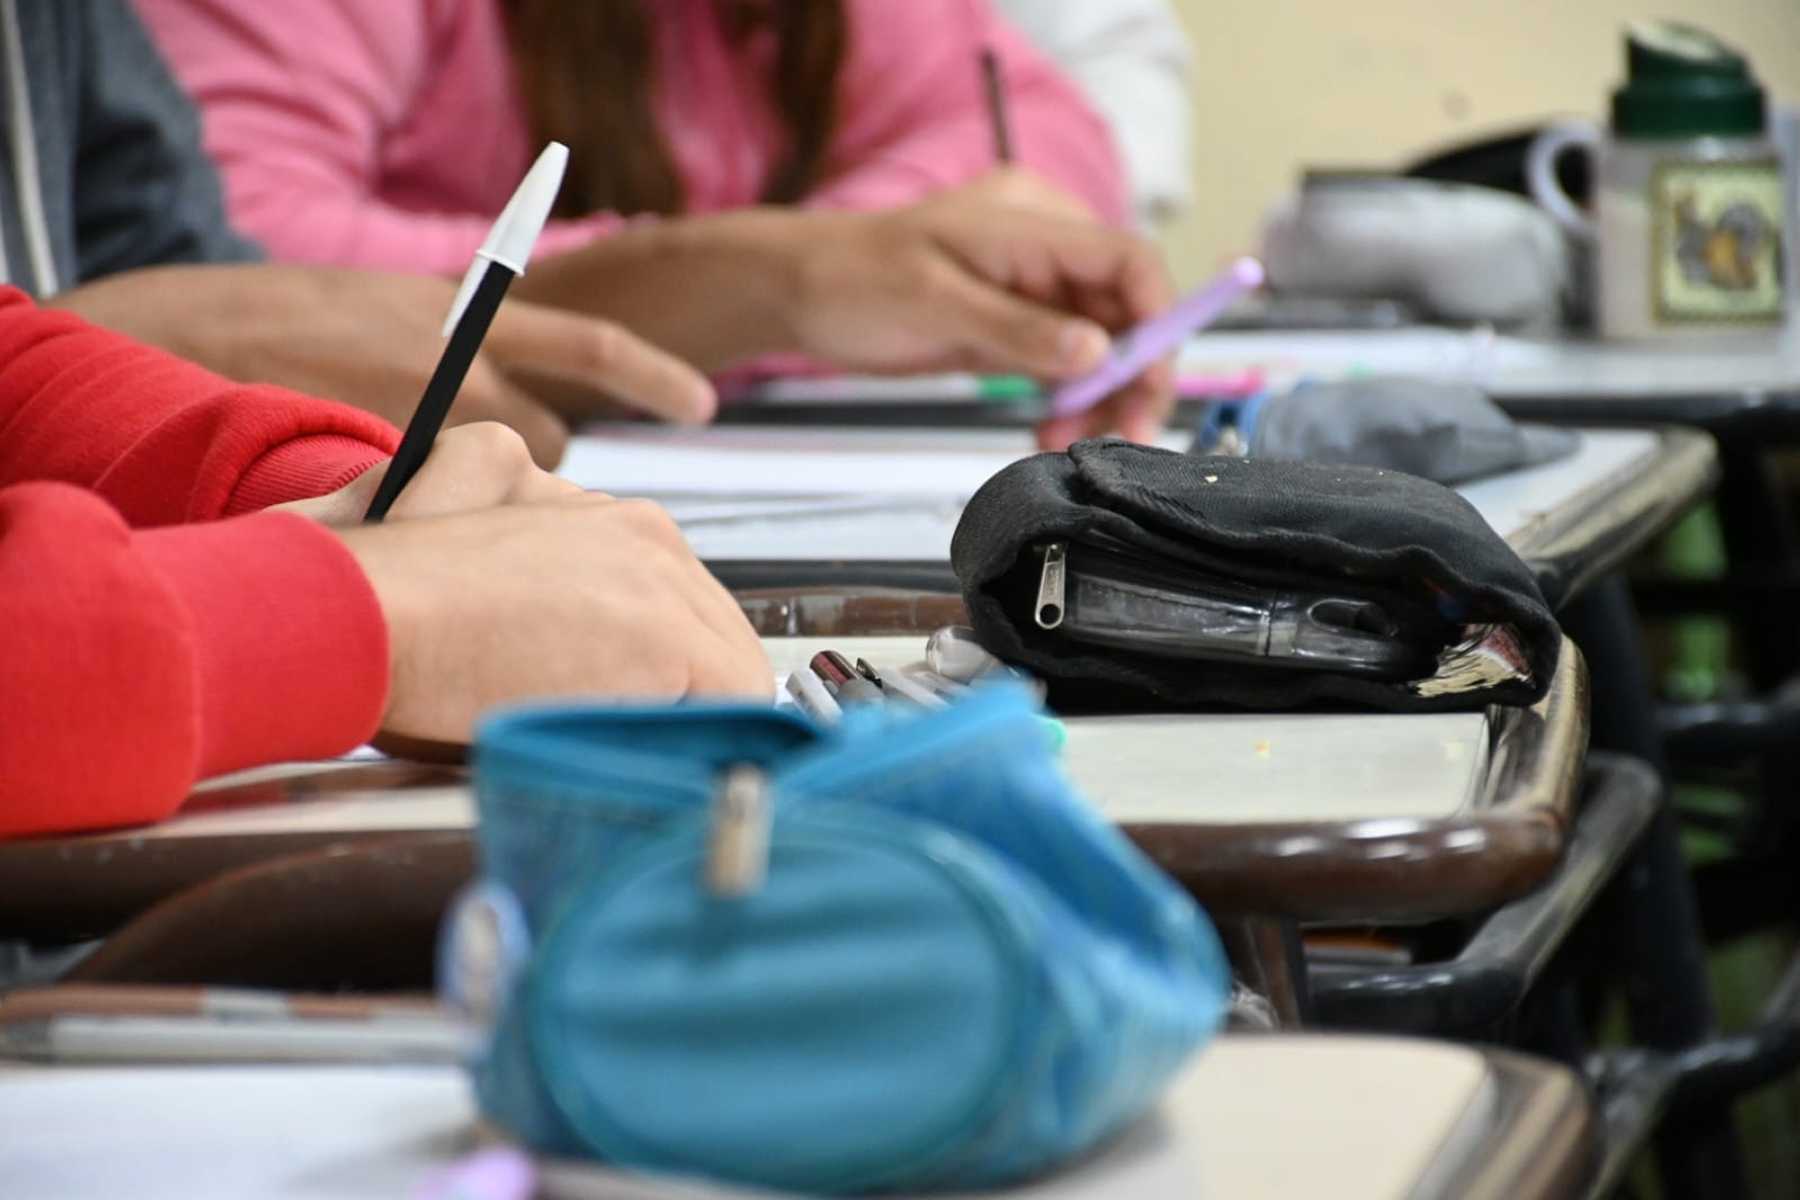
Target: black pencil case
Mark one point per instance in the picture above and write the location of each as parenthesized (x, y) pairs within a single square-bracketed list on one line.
[(1159, 537)]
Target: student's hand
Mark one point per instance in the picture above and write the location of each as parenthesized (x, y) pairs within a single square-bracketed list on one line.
[(372, 340), (962, 283), (587, 596), (1024, 189), (470, 467)]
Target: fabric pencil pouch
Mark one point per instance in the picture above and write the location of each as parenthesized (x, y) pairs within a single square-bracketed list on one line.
[(900, 953), (1124, 575), (1443, 431)]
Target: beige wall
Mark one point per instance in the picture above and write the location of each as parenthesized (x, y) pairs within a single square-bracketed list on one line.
[(1282, 83)]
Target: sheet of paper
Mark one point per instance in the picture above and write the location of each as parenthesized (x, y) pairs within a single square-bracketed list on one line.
[(747, 463), (897, 495), (905, 532), (812, 493)]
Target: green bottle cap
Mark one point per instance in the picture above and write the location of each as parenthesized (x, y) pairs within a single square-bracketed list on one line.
[(1683, 82)]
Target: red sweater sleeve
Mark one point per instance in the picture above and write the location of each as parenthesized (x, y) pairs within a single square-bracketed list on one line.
[(134, 662), (162, 440)]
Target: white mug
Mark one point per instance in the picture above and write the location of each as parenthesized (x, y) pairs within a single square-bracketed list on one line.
[(1541, 157)]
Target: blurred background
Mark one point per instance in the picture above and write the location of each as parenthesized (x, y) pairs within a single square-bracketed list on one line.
[(1284, 84)]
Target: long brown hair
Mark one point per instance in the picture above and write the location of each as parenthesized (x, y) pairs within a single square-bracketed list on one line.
[(588, 72)]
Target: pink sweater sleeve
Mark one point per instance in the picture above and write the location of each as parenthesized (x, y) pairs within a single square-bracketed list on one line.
[(915, 119), (297, 97)]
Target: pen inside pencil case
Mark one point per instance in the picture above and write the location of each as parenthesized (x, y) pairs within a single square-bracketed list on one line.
[(912, 688), (1104, 594)]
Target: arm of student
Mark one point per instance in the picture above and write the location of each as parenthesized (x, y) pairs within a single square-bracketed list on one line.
[(956, 283), (135, 663), (298, 98), (145, 191), (372, 340), (162, 440), (916, 119)]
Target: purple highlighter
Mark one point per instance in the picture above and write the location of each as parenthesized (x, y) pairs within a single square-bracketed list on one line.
[(494, 1173), (1134, 353)]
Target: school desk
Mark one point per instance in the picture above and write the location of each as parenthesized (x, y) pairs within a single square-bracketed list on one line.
[(1503, 782), (1364, 817), (1572, 520), (1268, 819), (1748, 397), (1325, 816), (783, 508), (67, 888), (1349, 816), (1749, 401), (1751, 405), (1271, 819), (1255, 1116), (1506, 364), (353, 915)]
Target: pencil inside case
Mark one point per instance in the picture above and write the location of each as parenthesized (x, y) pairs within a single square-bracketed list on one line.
[(1204, 581)]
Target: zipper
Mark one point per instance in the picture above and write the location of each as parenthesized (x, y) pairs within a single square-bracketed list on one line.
[(1108, 560), (7, 21), (1052, 584), (836, 771), (737, 844), (27, 179), (647, 778), (828, 770), (658, 784)]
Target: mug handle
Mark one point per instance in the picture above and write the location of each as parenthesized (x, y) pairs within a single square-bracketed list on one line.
[(1540, 173)]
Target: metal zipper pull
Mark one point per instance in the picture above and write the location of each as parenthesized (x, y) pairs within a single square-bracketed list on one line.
[(737, 853), (1051, 584)]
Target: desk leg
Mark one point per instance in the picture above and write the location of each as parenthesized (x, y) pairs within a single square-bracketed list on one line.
[(1652, 902), (1760, 542), (1268, 955)]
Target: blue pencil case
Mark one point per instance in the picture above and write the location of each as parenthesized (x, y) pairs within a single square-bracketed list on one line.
[(900, 953)]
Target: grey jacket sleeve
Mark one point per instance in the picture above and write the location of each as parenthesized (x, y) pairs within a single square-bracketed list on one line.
[(145, 191)]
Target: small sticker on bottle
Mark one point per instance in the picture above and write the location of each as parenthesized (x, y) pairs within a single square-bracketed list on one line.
[(1717, 250)]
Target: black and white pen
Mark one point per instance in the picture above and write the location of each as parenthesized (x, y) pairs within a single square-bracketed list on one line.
[(500, 260)]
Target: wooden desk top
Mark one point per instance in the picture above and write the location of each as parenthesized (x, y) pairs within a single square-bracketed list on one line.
[(1354, 816), (1344, 816), (1354, 1118)]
